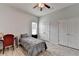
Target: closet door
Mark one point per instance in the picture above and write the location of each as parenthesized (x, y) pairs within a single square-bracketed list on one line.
[(74, 33), (69, 33), (63, 32), (44, 29), (53, 34)]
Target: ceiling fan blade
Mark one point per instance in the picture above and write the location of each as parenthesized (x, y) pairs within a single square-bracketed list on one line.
[(35, 6), (47, 6)]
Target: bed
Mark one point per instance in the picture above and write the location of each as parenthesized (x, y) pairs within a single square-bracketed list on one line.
[(32, 45)]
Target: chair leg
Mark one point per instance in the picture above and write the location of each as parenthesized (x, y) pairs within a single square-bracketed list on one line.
[(13, 47), (3, 49)]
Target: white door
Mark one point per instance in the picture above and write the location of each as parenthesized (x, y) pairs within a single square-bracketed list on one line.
[(69, 32), (44, 29), (63, 32), (53, 34), (74, 33)]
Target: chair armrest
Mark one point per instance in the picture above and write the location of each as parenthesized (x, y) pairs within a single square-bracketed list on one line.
[(1, 40)]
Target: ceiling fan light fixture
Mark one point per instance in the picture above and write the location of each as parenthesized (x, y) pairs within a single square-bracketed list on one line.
[(41, 5)]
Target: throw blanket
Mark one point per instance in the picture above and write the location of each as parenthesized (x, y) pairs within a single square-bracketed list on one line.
[(33, 46)]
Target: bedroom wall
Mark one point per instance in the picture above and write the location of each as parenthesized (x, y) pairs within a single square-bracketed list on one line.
[(49, 24), (15, 21)]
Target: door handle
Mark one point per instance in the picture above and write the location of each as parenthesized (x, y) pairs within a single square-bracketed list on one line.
[(68, 34)]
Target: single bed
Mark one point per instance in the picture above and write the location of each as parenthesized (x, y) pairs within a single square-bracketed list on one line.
[(32, 45)]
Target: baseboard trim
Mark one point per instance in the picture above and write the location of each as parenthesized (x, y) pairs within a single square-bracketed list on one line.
[(68, 47)]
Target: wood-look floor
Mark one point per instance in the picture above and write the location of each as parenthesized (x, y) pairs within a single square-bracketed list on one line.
[(18, 52), (53, 50)]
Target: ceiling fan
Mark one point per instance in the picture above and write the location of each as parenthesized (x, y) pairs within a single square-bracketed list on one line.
[(41, 6)]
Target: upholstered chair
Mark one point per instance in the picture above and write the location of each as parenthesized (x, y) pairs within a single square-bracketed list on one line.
[(8, 40)]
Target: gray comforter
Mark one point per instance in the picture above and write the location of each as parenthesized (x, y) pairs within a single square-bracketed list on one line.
[(32, 45)]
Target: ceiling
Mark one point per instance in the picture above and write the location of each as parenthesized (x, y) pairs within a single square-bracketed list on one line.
[(28, 7)]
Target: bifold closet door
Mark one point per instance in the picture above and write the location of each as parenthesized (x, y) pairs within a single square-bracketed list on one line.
[(44, 29), (53, 33), (74, 33), (63, 33), (69, 33)]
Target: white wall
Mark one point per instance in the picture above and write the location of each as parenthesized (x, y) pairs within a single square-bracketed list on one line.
[(54, 20), (15, 21)]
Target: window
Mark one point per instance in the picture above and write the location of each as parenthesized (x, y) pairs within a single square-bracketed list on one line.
[(34, 28)]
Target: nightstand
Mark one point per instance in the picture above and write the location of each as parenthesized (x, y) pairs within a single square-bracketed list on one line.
[(16, 41), (1, 44)]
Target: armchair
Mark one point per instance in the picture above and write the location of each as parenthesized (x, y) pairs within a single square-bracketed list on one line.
[(8, 40)]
